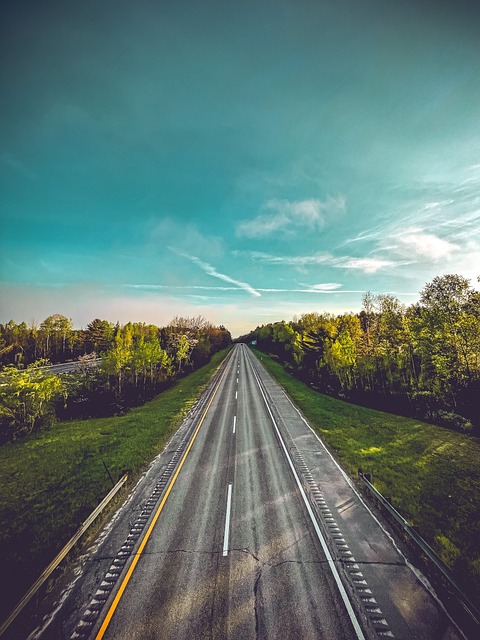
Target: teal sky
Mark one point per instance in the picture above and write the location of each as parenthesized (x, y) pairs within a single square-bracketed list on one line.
[(247, 161)]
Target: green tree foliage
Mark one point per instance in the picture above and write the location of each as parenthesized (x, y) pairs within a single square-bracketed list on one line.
[(15, 342), (423, 360), (116, 361), (136, 361), (56, 337), (143, 358), (98, 336), (26, 399)]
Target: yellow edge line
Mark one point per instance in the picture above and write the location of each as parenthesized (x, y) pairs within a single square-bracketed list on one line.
[(137, 555)]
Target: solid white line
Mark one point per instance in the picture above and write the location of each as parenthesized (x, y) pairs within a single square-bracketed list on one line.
[(234, 423), (331, 562), (414, 569), (227, 520)]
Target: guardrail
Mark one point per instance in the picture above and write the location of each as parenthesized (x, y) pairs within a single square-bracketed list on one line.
[(63, 553), (466, 603)]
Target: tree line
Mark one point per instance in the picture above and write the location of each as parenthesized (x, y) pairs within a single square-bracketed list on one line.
[(421, 360), (118, 366)]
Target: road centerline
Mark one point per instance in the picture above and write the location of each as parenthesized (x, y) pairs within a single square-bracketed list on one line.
[(227, 520)]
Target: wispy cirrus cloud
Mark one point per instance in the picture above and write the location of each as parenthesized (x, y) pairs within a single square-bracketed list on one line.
[(367, 265), (211, 271), (326, 286), (321, 288), (439, 223), (296, 261), (286, 216)]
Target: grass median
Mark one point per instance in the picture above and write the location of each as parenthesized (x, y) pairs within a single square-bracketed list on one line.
[(51, 481), (431, 474)]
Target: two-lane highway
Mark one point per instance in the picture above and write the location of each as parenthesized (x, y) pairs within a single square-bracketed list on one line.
[(233, 553)]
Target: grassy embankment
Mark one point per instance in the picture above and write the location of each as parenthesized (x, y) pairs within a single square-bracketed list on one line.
[(432, 474), (51, 481)]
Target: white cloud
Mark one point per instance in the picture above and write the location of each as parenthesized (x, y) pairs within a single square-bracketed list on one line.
[(329, 287), (367, 265), (464, 226), (296, 261), (323, 288), (211, 271), (437, 205), (433, 223), (420, 244), (467, 262), (285, 215), (326, 286)]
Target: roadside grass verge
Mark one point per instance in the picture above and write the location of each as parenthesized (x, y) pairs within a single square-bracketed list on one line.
[(431, 474), (52, 480)]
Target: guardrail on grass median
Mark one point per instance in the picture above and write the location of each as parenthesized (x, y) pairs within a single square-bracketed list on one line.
[(467, 604), (63, 553)]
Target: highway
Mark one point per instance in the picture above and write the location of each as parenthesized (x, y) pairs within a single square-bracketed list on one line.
[(247, 528), (71, 367)]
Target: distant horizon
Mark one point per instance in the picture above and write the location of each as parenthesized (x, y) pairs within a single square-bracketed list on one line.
[(404, 298), (247, 163), (149, 318)]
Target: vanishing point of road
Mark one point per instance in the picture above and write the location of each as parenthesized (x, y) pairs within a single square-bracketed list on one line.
[(245, 527)]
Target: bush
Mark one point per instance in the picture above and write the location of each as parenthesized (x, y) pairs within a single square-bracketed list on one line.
[(452, 421), (26, 401), (424, 403)]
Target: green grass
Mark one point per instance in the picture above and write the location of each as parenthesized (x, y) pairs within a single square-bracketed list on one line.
[(51, 481), (431, 474)]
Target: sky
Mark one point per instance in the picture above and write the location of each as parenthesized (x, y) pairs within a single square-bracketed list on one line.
[(245, 161)]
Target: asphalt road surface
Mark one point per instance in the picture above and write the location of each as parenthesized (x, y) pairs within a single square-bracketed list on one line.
[(245, 527), (71, 367)]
